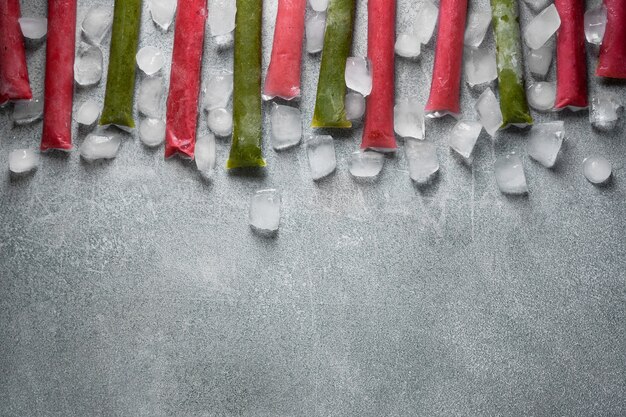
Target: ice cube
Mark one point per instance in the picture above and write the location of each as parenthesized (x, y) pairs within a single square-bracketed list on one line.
[(408, 115), (88, 113), (222, 16), (220, 121), (539, 60), (480, 66), (152, 132), (23, 160), (264, 214), (545, 142), (319, 5), (537, 5), (163, 12), (88, 66), (218, 89), (489, 112), (425, 21), (476, 27), (542, 27), (464, 136), (366, 164), (595, 24), (27, 111), (315, 27), (97, 23), (422, 158), (605, 112), (408, 45), (225, 41), (286, 126), (509, 172), (597, 169), (359, 75), (34, 28), (100, 145), (204, 154), (321, 153), (355, 106), (541, 95), (150, 60), (150, 95)]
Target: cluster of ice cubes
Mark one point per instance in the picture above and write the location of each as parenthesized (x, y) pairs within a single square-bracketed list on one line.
[(541, 95), (509, 173), (489, 112), (542, 27), (88, 113), (321, 154), (264, 212), (605, 112), (545, 141), (150, 60), (315, 26), (408, 116), (408, 44), (97, 24), (597, 169), (286, 126), (34, 28), (88, 66), (102, 144), (595, 24), (162, 12), (27, 111), (22, 161), (366, 164), (463, 138)]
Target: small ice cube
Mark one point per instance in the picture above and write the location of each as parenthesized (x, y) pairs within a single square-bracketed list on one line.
[(355, 106), (597, 169), (88, 66), (163, 12), (97, 23), (264, 214), (542, 27), (225, 41), (422, 158), (595, 24), (100, 145), (476, 28), (509, 172), (539, 60), (88, 113), (366, 164), (150, 60), (545, 142), (27, 111), (220, 121), (23, 160), (152, 132), (34, 28), (541, 95), (464, 136), (537, 5), (408, 45), (218, 89), (605, 112), (321, 153), (315, 27), (222, 16), (150, 95), (319, 5), (408, 115), (359, 75), (286, 126), (425, 21), (480, 66), (489, 112), (204, 154)]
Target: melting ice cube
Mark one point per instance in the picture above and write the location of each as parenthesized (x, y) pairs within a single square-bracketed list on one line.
[(408, 115), (150, 60), (541, 95), (150, 95), (595, 24), (152, 132), (425, 22), (220, 122), (88, 66), (314, 28), (34, 28), (542, 27), (408, 45), (355, 106), (476, 28), (321, 153), (264, 211), (489, 112), (97, 23), (27, 111), (222, 16), (539, 60), (319, 5), (545, 142), (480, 66), (100, 145), (359, 75), (286, 126), (204, 154), (366, 164), (597, 169), (218, 89), (605, 112), (163, 12), (463, 138), (23, 160), (88, 113), (422, 158), (509, 172)]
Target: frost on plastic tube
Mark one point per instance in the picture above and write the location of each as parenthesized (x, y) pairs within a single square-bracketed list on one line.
[(14, 83), (283, 74), (612, 60)]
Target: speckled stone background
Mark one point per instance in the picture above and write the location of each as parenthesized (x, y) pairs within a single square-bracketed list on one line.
[(135, 288)]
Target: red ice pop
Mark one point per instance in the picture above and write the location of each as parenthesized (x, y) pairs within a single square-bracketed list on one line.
[(378, 131), (59, 86), (14, 83), (612, 61), (182, 102), (283, 74), (571, 64), (444, 90)]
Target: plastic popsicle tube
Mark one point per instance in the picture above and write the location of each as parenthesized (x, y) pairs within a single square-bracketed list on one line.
[(14, 82), (612, 60)]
